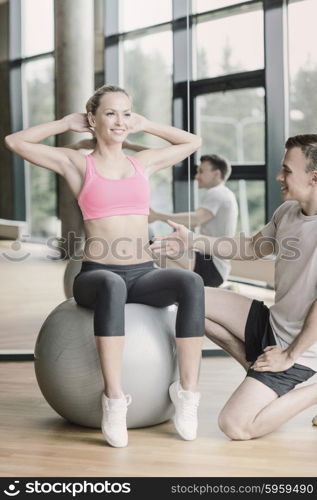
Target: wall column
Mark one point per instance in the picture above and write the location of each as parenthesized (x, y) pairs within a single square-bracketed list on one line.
[(74, 48)]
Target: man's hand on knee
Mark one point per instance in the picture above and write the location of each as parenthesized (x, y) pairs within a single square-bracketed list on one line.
[(273, 359)]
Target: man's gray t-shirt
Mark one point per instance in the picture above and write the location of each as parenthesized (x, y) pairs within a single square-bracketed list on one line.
[(222, 203), (295, 236)]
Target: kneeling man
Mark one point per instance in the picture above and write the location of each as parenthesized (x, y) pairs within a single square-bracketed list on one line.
[(277, 346)]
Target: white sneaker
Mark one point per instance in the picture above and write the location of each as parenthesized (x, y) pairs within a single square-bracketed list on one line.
[(186, 405), (114, 421)]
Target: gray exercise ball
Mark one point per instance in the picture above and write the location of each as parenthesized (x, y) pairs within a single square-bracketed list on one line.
[(72, 268), (68, 370)]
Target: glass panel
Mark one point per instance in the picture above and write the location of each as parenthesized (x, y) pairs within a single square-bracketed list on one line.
[(302, 66), (205, 5), (136, 14), (39, 108), (230, 44), (148, 77), (231, 124), (37, 27), (251, 198)]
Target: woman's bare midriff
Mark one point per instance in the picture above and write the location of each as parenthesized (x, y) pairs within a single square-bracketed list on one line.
[(117, 240)]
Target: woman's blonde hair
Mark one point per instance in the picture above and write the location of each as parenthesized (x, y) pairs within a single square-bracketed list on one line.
[(94, 101)]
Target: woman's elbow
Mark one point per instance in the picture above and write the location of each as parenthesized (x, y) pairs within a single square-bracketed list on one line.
[(197, 142), (9, 142)]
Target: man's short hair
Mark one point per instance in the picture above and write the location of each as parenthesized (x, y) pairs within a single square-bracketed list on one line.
[(218, 163), (308, 145)]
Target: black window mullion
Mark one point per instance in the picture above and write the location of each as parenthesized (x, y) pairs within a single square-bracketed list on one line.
[(183, 197), (236, 81), (248, 172)]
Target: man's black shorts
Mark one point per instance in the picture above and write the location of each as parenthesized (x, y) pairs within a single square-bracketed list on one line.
[(205, 267), (258, 335)]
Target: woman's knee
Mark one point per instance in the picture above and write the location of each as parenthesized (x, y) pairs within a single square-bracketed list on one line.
[(111, 283), (232, 426), (189, 281), (195, 279)]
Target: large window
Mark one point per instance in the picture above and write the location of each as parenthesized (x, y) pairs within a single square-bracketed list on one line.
[(139, 13), (37, 31), (38, 76), (229, 98), (251, 200), (204, 5), (302, 17), (229, 43), (147, 74), (232, 124)]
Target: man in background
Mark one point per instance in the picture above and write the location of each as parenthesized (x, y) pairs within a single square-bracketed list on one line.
[(216, 216)]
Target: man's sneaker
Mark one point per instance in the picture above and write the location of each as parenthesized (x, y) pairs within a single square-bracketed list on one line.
[(186, 406), (114, 420)]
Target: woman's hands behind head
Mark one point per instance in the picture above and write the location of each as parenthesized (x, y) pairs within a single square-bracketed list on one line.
[(77, 122), (137, 123)]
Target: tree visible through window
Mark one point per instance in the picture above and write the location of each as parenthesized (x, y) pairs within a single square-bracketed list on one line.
[(42, 182)]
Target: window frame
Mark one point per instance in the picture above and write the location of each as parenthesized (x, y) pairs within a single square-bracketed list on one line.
[(21, 175)]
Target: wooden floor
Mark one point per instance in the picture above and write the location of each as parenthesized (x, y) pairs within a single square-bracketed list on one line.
[(35, 441)]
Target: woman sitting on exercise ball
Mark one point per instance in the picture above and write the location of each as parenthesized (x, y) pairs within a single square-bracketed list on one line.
[(113, 193)]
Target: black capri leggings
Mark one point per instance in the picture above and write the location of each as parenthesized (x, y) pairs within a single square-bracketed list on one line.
[(107, 288)]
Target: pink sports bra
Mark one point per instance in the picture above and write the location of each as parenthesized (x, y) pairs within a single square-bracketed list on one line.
[(104, 197)]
